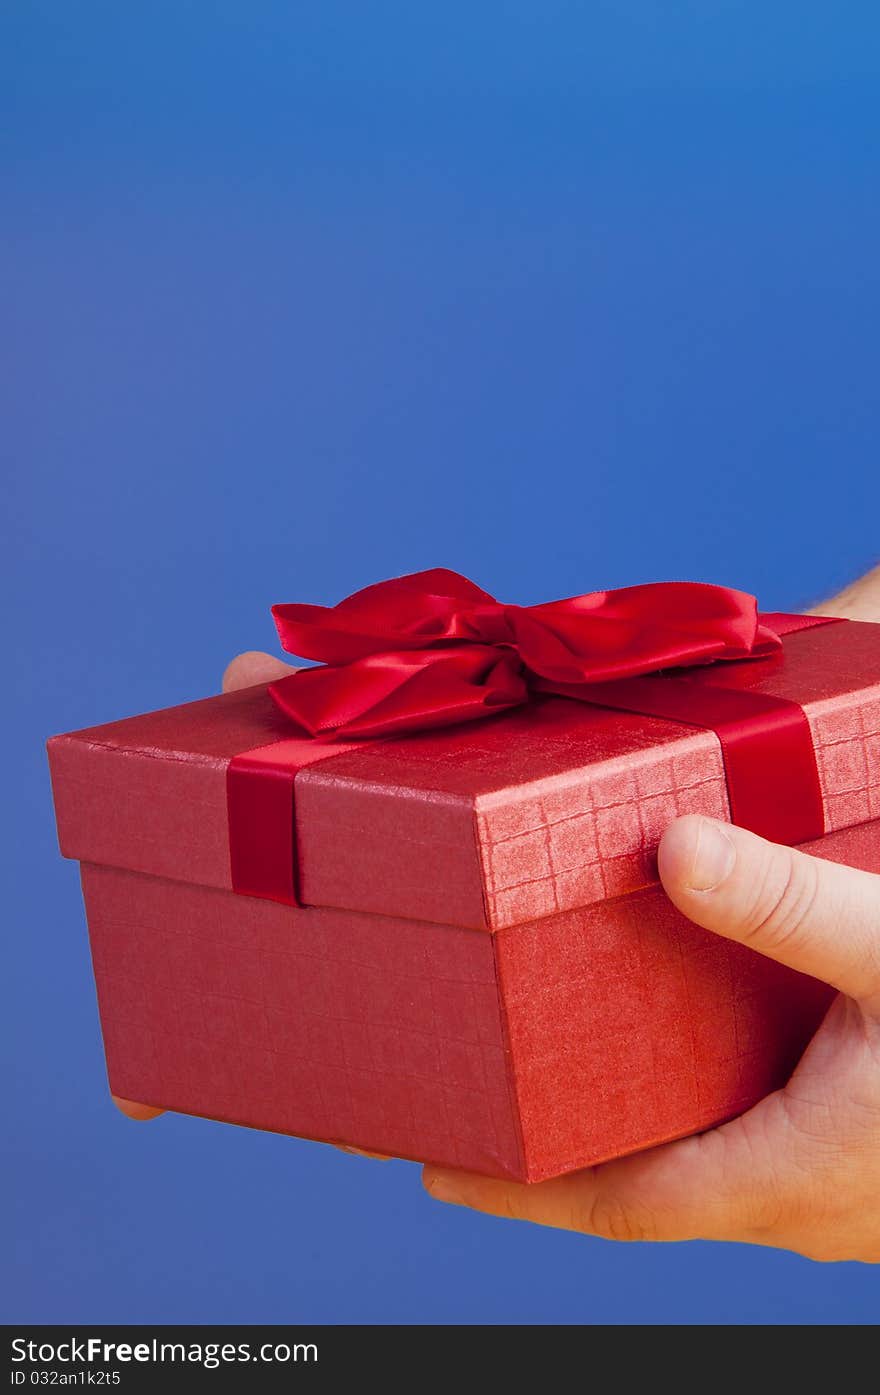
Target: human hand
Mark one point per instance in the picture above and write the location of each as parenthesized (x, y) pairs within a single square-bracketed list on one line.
[(801, 1170)]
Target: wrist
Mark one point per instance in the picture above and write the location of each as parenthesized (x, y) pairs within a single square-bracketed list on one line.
[(859, 601)]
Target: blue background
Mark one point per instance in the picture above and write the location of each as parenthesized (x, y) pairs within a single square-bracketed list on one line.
[(295, 297)]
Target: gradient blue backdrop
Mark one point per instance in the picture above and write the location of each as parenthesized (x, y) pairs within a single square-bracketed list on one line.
[(299, 296)]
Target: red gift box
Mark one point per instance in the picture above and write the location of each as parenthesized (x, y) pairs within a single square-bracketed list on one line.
[(482, 970)]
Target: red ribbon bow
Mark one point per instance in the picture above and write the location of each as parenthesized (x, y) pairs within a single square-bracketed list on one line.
[(431, 649)]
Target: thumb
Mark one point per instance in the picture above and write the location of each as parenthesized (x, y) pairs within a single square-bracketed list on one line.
[(815, 916)]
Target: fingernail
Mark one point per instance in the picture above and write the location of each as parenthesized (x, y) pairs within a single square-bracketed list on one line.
[(714, 857), (441, 1188)]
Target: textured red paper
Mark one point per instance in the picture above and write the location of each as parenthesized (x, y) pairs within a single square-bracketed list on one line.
[(594, 1020), (628, 1026), (327, 1024), (545, 1048)]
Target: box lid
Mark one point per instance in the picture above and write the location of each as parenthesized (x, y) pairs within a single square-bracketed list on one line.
[(488, 824)]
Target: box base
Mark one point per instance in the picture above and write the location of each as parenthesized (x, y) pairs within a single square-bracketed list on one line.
[(540, 1050)]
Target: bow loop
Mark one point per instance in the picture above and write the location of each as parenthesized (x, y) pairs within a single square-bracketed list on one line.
[(409, 612), (431, 649), (410, 690)]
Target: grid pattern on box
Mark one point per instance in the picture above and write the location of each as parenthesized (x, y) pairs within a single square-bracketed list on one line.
[(672, 1029), (324, 1024), (847, 741), (563, 844), (592, 839)]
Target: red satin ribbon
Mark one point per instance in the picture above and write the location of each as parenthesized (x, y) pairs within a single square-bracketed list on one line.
[(431, 649), (260, 809)]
